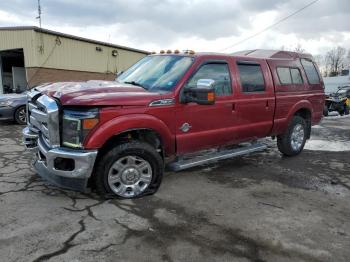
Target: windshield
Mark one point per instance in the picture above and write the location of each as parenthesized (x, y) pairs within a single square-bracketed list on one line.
[(157, 73)]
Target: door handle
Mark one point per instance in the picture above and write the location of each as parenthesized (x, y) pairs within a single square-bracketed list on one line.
[(267, 104), (233, 107)]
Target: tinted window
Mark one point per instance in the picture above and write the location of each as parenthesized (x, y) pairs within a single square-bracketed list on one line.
[(284, 75), (251, 76), (311, 72), (296, 76), (219, 73)]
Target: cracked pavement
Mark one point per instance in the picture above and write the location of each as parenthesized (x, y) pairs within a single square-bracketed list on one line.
[(261, 207)]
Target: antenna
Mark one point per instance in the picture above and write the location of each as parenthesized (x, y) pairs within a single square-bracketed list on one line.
[(39, 13)]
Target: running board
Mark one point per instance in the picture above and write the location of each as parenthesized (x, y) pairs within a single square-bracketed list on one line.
[(182, 164)]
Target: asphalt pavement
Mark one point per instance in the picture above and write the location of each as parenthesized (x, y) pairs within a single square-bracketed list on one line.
[(261, 207)]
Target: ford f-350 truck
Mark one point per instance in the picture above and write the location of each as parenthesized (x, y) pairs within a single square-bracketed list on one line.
[(118, 137)]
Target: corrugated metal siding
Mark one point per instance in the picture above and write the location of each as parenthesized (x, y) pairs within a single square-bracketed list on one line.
[(15, 39), (69, 54)]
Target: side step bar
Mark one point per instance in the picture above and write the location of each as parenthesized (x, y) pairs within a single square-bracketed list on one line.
[(182, 164)]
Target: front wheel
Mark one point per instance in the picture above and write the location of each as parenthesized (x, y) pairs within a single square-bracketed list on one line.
[(292, 142), (129, 170), (21, 115)]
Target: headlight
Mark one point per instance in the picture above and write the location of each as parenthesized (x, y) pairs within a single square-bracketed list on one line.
[(76, 125), (6, 103)]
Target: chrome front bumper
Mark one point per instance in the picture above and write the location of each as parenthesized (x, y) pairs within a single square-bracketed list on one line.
[(46, 160)]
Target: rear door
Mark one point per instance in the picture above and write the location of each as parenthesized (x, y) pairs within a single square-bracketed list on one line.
[(255, 100)]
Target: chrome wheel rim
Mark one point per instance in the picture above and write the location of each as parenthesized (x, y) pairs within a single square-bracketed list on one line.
[(297, 137), (22, 116), (130, 176)]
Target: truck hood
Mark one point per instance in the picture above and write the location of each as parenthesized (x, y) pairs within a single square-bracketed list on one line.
[(98, 93)]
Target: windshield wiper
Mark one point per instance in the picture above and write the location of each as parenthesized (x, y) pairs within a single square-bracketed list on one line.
[(135, 84)]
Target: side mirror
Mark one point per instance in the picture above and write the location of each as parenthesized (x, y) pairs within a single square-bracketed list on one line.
[(203, 94)]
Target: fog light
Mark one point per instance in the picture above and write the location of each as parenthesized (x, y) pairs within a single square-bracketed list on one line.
[(64, 164)]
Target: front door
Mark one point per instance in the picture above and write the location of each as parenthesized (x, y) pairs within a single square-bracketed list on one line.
[(205, 126)]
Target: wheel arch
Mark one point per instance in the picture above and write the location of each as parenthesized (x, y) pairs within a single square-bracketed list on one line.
[(302, 108), (137, 125)]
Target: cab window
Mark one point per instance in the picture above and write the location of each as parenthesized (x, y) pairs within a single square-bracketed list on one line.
[(296, 76), (284, 75), (219, 72), (288, 76), (251, 77)]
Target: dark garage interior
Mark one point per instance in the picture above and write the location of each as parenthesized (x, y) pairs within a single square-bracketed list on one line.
[(12, 73)]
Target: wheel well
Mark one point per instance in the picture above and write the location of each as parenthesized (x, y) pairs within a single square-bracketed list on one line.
[(17, 108), (306, 114), (145, 135)]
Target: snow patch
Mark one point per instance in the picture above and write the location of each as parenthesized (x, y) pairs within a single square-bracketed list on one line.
[(317, 126), (334, 114), (326, 145)]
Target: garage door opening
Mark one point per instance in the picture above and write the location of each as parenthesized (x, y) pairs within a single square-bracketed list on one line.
[(12, 72)]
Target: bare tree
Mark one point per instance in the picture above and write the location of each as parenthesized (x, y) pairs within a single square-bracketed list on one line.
[(321, 63), (335, 59), (299, 49)]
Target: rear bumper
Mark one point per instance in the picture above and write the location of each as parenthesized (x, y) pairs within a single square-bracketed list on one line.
[(48, 163), (7, 113)]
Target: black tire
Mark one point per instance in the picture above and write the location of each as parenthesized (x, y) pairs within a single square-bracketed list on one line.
[(138, 149), (20, 115), (284, 141), (346, 111), (325, 111)]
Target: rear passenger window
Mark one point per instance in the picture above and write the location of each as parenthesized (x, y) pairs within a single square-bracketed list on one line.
[(296, 76), (311, 72), (251, 76), (284, 75)]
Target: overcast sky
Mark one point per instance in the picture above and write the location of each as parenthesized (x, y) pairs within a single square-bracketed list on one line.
[(201, 25)]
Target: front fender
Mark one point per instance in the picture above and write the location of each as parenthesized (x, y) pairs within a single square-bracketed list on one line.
[(118, 125)]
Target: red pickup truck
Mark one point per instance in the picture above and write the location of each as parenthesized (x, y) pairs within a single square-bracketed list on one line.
[(118, 137)]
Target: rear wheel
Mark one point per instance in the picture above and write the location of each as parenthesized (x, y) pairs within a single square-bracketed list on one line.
[(292, 142), (325, 111), (346, 111), (21, 115), (129, 170)]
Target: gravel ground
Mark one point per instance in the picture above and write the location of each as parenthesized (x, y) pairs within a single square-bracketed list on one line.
[(261, 207)]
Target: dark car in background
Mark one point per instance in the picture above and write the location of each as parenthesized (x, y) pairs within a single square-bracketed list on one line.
[(13, 107)]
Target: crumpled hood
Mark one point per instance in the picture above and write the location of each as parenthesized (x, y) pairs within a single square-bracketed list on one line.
[(98, 93)]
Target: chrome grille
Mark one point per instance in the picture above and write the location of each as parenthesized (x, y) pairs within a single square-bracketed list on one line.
[(43, 118)]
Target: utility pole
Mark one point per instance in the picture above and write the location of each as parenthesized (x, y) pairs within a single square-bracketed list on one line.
[(39, 13)]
